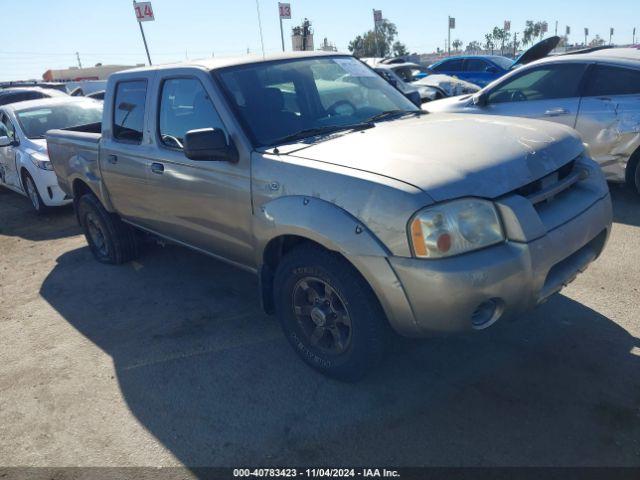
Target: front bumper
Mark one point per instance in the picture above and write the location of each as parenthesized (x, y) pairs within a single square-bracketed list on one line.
[(472, 291), (47, 183)]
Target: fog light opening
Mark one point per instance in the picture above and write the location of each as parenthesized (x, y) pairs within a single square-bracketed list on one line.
[(487, 313)]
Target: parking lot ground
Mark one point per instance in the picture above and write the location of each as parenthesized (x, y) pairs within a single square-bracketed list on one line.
[(169, 361)]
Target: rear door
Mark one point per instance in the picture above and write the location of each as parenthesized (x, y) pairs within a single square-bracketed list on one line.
[(547, 92), (8, 172), (609, 117), (124, 151)]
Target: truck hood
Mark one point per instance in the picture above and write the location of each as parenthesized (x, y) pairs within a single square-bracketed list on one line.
[(451, 155)]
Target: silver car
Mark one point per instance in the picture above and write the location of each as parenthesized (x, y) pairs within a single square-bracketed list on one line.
[(597, 93)]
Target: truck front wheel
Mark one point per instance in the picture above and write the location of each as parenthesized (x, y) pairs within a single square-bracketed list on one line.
[(329, 313), (110, 239)]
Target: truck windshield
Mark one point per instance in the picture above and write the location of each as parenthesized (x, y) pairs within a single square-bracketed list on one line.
[(275, 100), (37, 120)]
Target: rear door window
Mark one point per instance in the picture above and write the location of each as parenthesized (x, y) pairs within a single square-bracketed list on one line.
[(606, 80), (450, 66), (128, 112), (475, 65)]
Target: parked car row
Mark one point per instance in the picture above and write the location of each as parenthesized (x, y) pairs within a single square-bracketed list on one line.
[(24, 162), (597, 93), (359, 212)]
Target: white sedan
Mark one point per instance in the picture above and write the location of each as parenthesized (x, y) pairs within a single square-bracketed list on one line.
[(24, 163)]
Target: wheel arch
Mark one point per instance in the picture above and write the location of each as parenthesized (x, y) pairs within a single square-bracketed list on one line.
[(287, 222), (632, 165)]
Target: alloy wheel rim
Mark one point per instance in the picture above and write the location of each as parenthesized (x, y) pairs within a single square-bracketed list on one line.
[(97, 235), (33, 194), (322, 315)]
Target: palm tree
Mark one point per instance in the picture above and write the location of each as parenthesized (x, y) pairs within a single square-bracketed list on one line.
[(488, 44)]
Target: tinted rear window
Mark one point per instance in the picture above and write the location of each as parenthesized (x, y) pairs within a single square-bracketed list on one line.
[(19, 97), (128, 112), (605, 80), (476, 65), (449, 66)]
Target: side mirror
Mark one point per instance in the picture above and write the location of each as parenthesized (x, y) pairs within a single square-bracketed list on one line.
[(415, 98), (491, 69), (209, 144), (5, 141), (480, 99)]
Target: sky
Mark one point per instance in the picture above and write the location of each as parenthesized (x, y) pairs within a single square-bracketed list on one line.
[(42, 34)]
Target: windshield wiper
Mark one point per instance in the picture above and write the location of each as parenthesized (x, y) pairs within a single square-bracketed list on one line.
[(325, 130), (393, 114)]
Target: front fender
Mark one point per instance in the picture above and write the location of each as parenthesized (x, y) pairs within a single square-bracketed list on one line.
[(317, 220), (339, 231)]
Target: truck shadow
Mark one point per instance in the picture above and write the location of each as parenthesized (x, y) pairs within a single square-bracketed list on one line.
[(214, 380), (18, 219), (626, 205)]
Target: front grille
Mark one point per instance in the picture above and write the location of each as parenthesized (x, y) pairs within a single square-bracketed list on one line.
[(547, 188)]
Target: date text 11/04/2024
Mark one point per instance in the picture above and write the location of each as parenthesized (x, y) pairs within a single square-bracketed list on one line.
[(316, 472)]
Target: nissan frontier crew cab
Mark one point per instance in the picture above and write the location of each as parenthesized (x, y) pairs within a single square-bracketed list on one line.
[(357, 210)]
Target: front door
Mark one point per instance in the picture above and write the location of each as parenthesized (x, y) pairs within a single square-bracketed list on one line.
[(548, 92), (205, 204), (9, 174), (609, 117)]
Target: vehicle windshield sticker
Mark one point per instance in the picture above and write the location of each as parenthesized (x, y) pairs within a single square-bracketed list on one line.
[(354, 67)]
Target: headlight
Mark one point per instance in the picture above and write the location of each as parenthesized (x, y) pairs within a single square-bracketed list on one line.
[(41, 161), (455, 227)]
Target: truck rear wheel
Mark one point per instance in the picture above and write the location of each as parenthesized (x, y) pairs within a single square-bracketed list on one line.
[(329, 313), (110, 239)]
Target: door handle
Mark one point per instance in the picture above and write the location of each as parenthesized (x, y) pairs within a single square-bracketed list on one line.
[(112, 159), (157, 168), (556, 112)]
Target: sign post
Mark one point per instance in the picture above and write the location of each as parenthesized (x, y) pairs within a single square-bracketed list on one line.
[(586, 34), (611, 31), (452, 25), (144, 13), (285, 12), (377, 21)]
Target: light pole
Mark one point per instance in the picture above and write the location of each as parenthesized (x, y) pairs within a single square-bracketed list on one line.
[(260, 27)]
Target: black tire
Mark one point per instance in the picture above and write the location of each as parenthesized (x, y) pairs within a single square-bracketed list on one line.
[(31, 189), (633, 172), (110, 239), (357, 351)]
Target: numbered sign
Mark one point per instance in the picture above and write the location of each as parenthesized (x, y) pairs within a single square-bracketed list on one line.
[(285, 10), (144, 11)]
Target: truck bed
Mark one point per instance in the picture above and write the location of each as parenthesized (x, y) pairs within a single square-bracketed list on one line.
[(74, 153)]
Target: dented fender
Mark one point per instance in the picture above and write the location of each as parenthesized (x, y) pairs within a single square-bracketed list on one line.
[(337, 230), (317, 220)]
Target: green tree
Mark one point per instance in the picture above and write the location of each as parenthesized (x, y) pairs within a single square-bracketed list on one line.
[(501, 37), (533, 31), (456, 44), (378, 43), (473, 47), (488, 42), (399, 49), (597, 41)]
